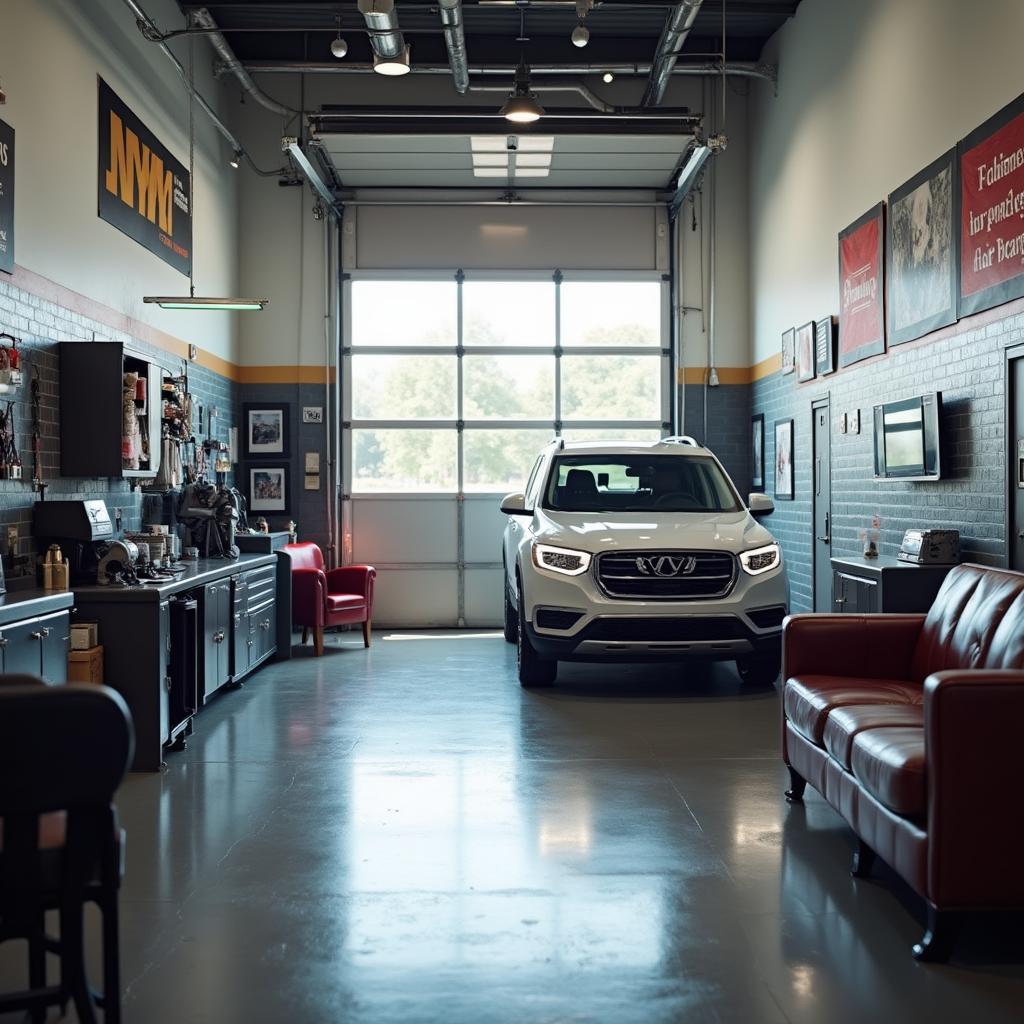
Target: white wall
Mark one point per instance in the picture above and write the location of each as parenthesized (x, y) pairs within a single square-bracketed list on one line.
[(869, 93), (281, 246), (50, 54)]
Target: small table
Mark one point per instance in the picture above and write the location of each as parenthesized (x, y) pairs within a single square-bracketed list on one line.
[(884, 584)]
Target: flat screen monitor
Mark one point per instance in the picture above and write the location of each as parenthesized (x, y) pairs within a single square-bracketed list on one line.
[(907, 438)]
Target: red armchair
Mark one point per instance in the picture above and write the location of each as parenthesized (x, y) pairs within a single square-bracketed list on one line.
[(333, 597)]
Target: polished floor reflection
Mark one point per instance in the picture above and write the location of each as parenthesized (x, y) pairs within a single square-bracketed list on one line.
[(403, 834)]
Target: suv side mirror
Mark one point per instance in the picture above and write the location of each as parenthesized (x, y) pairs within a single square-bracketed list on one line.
[(515, 505), (760, 504)]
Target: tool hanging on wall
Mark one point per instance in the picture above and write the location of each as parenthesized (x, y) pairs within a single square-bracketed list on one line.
[(37, 466), (10, 461)]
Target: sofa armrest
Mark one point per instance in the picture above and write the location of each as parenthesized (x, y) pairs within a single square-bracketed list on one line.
[(863, 646), (352, 579), (973, 721), (309, 592)]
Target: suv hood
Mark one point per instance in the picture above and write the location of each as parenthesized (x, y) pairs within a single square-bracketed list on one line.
[(609, 531)]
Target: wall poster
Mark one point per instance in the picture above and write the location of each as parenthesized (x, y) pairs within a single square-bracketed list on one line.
[(921, 252), (6, 198), (824, 346), (143, 190), (862, 288), (992, 211)]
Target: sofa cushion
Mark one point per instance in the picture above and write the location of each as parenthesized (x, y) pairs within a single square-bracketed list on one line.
[(808, 699), (344, 602), (889, 763), (843, 724)]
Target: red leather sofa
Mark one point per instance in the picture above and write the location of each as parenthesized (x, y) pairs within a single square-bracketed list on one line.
[(909, 726), (333, 597)]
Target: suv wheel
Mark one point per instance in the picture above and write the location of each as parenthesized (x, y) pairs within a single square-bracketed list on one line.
[(511, 630), (759, 669), (533, 669)]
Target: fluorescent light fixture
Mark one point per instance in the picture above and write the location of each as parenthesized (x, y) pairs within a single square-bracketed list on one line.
[(490, 159), (536, 143), (533, 159), (488, 143), (490, 172), (194, 302), (393, 66), (532, 172)]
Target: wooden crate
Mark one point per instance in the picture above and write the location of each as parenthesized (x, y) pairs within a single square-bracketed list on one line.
[(86, 666)]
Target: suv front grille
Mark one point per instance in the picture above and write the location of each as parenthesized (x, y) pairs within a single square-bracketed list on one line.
[(666, 575)]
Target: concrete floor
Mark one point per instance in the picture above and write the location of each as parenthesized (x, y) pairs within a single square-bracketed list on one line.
[(405, 835)]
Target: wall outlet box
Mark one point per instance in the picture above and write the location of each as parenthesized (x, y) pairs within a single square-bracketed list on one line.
[(853, 421)]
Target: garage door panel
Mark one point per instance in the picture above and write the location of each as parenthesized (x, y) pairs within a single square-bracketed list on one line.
[(484, 598), (416, 597), (404, 530), (485, 525)]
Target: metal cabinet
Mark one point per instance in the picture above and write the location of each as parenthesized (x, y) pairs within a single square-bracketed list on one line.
[(854, 594), (216, 636), (37, 647), (866, 586), (255, 619)]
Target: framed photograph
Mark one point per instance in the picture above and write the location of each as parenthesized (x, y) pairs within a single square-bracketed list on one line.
[(825, 346), (805, 352), (266, 429), (921, 252), (312, 414), (784, 460), (862, 287), (788, 351), (268, 488), (757, 452)]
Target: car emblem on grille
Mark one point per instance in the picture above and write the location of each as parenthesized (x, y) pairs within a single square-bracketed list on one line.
[(666, 565)]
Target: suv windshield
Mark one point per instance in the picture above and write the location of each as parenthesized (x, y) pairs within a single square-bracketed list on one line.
[(639, 483)]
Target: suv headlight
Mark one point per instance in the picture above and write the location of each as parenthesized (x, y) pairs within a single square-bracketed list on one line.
[(759, 560), (567, 561)]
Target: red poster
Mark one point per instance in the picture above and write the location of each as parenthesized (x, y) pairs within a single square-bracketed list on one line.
[(992, 211), (861, 292)]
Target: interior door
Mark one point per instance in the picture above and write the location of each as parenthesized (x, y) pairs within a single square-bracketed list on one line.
[(1015, 435), (822, 502)]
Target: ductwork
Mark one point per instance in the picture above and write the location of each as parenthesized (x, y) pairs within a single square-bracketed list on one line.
[(229, 62), (382, 20), (673, 36), (455, 41)]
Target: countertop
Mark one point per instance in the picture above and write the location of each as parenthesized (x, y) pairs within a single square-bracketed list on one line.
[(198, 573), (886, 562), (25, 604)]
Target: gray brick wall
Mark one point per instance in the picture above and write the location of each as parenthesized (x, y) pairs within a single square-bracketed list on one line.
[(728, 426), (41, 325), (308, 508), (966, 365)]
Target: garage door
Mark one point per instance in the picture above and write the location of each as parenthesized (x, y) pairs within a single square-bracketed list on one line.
[(450, 387)]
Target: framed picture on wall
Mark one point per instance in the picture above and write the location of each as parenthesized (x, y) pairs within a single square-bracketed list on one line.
[(825, 345), (268, 489), (805, 351), (922, 252), (788, 351), (784, 460), (266, 429), (862, 287), (757, 452)]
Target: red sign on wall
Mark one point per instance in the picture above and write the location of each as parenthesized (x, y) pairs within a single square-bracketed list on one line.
[(861, 290), (992, 211)]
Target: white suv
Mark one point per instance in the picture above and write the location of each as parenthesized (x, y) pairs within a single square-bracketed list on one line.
[(625, 550)]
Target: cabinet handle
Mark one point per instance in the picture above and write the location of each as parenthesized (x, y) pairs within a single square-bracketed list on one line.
[(3, 641), (218, 637), (167, 683), (41, 634)]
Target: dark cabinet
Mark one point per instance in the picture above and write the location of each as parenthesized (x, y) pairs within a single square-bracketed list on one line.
[(255, 619), (92, 416), (865, 586), (217, 636), (37, 647)]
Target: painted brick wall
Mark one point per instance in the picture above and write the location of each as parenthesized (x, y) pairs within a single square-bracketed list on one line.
[(308, 508), (966, 363), (728, 421), (41, 325)]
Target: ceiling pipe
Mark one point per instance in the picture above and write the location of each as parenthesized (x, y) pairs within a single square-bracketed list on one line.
[(229, 62), (673, 36), (382, 20), (734, 69), (455, 41)]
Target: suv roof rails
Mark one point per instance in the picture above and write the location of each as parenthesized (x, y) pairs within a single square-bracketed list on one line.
[(680, 439)]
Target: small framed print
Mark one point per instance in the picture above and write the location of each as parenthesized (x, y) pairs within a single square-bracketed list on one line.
[(266, 429), (312, 481), (312, 414), (757, 452), (805, 352), (268, 489), (784, 460), (788, 351), (825, 346), (312, 462)]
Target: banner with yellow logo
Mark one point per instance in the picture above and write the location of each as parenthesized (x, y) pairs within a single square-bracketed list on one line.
[(143, 190)]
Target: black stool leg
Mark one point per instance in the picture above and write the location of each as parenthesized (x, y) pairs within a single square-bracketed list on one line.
[(111, 960), (72, 962), (37, 964)]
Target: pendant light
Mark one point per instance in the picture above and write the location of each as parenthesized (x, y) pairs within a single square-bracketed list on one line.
[(522, 107), (190, 301)]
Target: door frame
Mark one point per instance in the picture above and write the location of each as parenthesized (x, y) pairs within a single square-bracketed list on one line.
[(1012, 354), (823, 402)]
